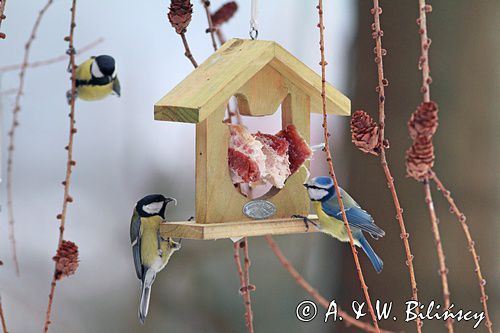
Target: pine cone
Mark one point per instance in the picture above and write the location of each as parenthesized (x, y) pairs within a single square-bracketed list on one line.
[(424, 121), (420, 157), (180, 14), (66, 260), (224, 13), (364, 132)]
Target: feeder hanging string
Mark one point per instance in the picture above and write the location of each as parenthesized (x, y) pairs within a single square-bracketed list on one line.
[(254, 29)]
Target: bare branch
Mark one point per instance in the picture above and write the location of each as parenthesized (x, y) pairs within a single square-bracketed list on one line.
[(12, 131), (471, 244), (332, 171), (70, 163), (443, 270), (51, 61), (245, 286), (2, 318)]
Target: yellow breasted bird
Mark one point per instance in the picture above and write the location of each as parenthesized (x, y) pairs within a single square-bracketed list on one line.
[(151, 251), (96, 78), (322, 193)]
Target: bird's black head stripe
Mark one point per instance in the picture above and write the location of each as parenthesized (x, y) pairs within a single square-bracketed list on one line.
[(106, 64)]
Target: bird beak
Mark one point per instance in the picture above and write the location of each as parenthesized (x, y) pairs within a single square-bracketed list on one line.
[(167, 200), (306, 185)]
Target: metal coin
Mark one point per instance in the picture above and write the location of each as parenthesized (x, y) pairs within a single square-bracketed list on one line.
[(259, 209)]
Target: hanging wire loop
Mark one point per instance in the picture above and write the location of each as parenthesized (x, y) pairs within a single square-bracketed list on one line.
[(254, 33), (254, 27)]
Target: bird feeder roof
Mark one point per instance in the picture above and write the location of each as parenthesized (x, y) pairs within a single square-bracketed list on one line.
[(218, 78)]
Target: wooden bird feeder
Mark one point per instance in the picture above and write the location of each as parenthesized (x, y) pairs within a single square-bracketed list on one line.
[(262, 75)]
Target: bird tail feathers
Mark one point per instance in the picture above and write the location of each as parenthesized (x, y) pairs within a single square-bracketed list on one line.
[(144, 304), (145, 295), (377, 263)]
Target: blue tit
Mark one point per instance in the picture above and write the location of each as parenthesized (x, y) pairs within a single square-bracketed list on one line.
[(96, 78), (151, 251), (322, 193)]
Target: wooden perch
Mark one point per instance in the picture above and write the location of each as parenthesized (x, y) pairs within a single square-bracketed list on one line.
[(192, 230)]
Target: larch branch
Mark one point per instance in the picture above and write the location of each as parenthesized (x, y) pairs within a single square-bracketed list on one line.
[(382, 81), (245, 286), (2, 16), (332, 171), (2, 318), (187, 50), (443, 270), (51, 61), (12, 131), (425, 42), (471, 244), (211, 29), (70, 162)]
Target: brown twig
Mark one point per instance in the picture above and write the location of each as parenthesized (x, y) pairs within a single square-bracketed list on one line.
[(472, 248), (230, 111), (332, 171), (12, 132), (249, 287), (245, 286), (70, 161), (220, 36), (187, 50), (51, 61), (425, 42), (443, 270), (2, 318), (382, 82), (423, 65), (211, 29), (179, 16), (299, 279), (2, 16)]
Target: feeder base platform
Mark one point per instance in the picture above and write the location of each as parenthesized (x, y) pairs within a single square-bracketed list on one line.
[(193, 230)]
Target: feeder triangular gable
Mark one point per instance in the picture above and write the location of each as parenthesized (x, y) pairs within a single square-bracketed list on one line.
[(229, 68)]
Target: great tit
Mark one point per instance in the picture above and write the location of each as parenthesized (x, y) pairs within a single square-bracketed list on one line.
[(150, 250), (96, 78), (322, 193)]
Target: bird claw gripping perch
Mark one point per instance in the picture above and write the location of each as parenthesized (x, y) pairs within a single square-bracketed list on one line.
[(70, 96), (177, 245), (306, 221), (70, 51)]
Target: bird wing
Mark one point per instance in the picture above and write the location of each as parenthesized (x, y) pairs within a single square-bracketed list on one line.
[(356, 216), (116, 86), (135, 239)]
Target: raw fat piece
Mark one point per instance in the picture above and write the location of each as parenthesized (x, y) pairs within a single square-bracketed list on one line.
[(247, 161), (298, 150), (277, 164)]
